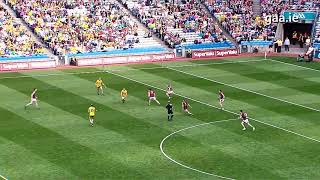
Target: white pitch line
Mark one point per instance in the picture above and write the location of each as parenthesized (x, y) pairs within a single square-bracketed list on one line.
[(101, 71), (231, 112), (294, 65), (3, 177), (243, 89), (183, 165)]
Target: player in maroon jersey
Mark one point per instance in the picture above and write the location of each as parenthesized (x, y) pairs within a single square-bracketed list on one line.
[(34, 99), (245, 121), (169, 92), (221, 98), (185, 106), (152, 96)]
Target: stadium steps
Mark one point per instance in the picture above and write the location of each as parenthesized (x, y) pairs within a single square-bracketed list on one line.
[(256, 7), (225, 32), (189, 36), (29, 31), (142, 29)]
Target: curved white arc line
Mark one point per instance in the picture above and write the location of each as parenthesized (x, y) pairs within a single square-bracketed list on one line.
[(183, 165), (210, 105), (3, 177)]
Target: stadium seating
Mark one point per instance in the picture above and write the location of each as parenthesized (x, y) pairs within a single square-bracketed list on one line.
[(236, 16), (141, 50), (316, 45), (15, 42), (219, 45), (71, 27), (177, 24), (257, 43)]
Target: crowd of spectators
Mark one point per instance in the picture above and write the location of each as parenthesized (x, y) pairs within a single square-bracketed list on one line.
[(14, 39), (190, 16), (78, 26), (237, 16), (304, 5)]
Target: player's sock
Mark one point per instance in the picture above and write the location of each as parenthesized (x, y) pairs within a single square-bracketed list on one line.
[(168, 118), (171, 117), (253, 128), (244, 127), (25, 107)]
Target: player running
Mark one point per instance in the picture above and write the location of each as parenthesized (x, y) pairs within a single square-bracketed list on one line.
[(185, 106), (92, 112), (169, 107), (99, 85), (152, 96), (124, 95), (221, 97), (34, 99), (245, 120), (169, 92)]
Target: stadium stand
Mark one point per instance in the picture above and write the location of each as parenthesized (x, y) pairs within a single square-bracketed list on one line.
[(15, 42), (237, 17), (178, 24), (72, 27)]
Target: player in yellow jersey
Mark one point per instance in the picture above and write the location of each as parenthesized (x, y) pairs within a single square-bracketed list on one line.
[(92, 112), (124, 95), (99, 86)]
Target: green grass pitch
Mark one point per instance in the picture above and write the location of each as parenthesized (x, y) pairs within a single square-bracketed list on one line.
[(281, 96)]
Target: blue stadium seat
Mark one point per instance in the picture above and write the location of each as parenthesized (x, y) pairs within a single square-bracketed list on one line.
[(218, 45), (120, 52), (24, 58), (256, 43), (316, 45)]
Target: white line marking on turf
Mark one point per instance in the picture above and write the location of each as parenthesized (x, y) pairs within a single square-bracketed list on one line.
[(265, 123), (293, 65), (243, 89), (183, 165), (3, 177), (101, 71)]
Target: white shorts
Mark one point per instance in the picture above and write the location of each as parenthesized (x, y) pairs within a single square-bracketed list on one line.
[(245, 121), (123, 97), (152, 98), (221, 100), (170, 92), (34, 100), (91, 121)]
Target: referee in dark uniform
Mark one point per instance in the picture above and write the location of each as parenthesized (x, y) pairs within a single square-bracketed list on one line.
[(169, 107)]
